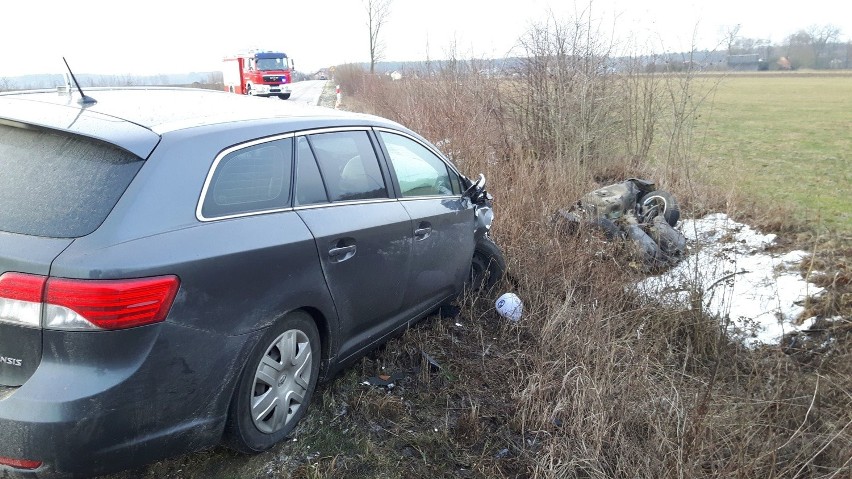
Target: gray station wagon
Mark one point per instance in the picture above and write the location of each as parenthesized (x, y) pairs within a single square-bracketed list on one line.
[(179, 268)]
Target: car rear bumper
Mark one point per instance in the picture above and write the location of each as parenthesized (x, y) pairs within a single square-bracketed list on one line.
[(98, 404)]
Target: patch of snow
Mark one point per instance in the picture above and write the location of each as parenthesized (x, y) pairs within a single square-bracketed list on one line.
[(759, 294)]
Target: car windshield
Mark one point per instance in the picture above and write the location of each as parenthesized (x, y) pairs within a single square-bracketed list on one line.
[(59, 185), (267, 64)]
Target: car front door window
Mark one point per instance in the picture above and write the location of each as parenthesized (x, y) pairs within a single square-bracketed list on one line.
[(419, 172)]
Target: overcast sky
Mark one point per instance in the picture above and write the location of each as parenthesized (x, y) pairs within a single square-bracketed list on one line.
[(178, 36)]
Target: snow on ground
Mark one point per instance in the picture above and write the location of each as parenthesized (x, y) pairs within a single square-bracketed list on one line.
[(759, 292)]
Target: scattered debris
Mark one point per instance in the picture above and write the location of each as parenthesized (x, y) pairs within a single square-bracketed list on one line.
[(389, 381), (721, 264), (434, 367), (385, 380)]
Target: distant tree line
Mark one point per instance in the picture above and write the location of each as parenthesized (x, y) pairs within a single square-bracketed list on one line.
[(817, 47)]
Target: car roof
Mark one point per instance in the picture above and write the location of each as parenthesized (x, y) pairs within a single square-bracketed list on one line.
[(134, 118)]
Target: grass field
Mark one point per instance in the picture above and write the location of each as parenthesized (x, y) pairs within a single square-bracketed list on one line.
[(784, 138)]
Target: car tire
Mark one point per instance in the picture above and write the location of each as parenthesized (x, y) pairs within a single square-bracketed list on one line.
[(263, 414), (284, 96), (249, 91), (487, 266), (667, 204)]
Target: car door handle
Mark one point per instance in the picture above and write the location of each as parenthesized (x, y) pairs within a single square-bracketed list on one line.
[(422, 233), (342, 251)]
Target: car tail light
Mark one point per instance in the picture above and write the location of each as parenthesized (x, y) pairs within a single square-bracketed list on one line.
[(20, 463), (108, 304), (82, 304), (20, 298)]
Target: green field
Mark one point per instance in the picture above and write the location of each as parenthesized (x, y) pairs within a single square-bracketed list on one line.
[(784, 138)]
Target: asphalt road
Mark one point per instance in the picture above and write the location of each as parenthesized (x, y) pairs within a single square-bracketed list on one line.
[(308, 91)]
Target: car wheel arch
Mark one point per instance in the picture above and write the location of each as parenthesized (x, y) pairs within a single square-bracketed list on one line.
[(327, 338), (241, 430), (324, 326)]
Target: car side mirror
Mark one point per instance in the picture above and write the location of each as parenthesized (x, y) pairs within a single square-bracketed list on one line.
[(476, 192), (475, 187)]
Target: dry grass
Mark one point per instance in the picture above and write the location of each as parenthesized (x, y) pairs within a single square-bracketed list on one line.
[(594, 381)]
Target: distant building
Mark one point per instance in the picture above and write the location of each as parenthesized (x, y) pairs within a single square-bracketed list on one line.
[(744, 63)]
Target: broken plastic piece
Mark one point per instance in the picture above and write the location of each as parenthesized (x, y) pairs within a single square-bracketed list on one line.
[(384, 380), (434, 367)]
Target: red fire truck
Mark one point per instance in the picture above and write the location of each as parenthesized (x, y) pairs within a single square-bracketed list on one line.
[(258, 73)]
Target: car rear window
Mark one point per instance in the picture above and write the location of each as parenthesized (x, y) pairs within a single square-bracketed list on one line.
[(251, 180), (59, 185)]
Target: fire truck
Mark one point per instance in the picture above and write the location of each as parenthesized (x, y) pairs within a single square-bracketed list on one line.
[(258, 74)]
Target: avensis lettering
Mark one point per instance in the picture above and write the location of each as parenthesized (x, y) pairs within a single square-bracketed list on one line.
[(10, 361)]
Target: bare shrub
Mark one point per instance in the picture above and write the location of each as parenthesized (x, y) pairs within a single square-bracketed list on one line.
[(564, 97), (684, 95), (351, 78), (641, 106)]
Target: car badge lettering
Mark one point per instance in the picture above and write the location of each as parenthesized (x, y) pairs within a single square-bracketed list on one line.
[(11, 361)]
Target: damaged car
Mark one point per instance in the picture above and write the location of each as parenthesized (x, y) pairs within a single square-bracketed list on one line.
[(633, 210), (180, 268)]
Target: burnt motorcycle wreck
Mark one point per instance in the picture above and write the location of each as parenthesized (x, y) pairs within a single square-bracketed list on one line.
[(632, 210)]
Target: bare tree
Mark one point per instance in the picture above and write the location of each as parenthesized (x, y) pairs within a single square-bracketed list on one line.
[(809, 48), (731, 34), (799, 50), (377, 14), (821, 37)]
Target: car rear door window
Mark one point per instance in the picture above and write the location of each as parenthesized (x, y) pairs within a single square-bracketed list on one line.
[(251, 179), (418, 171), (349, 165), (57, 184), (309, 185)]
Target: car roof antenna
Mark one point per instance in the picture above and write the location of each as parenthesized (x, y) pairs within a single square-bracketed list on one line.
[(84, 100)]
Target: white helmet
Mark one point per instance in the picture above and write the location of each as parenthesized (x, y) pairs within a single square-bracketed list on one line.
[(509, 306)]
